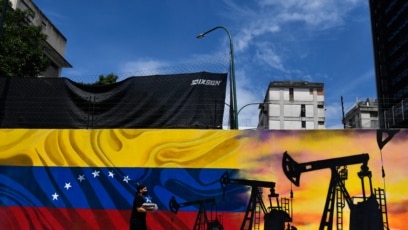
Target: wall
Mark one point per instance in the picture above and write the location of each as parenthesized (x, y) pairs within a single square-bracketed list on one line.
[(55, 38), (41, 168), (285, 113), (55, 44)]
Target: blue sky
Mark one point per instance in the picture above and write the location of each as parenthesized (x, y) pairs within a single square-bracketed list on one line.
[(327, 41)]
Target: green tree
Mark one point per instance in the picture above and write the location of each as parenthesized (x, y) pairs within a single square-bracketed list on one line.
[(21, 45), (106, 80)]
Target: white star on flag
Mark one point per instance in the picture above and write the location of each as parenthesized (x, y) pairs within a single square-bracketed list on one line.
[(95, 173), (55, 196), (126, 179), (67, 185), (81, 178), (111, 174)]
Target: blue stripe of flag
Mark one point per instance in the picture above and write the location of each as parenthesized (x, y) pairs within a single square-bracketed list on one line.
[(114, 188)]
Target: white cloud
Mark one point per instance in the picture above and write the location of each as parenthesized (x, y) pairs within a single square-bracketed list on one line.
[(247, 96), (357, 83), (213, 62), (334, 116), (143, 67), (267, 55), (273, 15), (251, 32)]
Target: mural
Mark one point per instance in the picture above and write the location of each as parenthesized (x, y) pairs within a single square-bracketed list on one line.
[(201, 179)]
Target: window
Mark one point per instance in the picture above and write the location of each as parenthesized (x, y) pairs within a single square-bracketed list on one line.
[(43, 25), (302, 110), (30, 12), (373, 114), (351, 123), (303, 124), (290, 94), (373, 124)]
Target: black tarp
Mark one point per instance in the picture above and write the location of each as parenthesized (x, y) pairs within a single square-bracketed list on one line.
[(190, 100)]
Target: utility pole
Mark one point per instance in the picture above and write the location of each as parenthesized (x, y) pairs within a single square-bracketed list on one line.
[(233, 92), (342, 110)]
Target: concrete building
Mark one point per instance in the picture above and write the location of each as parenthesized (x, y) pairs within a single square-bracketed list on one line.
[(293, 105), (362, 115), (389, 23), (54, 46)]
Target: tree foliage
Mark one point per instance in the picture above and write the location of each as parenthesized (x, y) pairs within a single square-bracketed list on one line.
[(106, 80), (21, 46)]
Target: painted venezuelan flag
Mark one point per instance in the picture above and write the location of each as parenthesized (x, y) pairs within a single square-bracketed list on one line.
[(78, 179)]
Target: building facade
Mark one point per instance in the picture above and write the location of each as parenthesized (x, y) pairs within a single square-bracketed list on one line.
[(362, 115), (54, 46), (389, 23), (293, 105)]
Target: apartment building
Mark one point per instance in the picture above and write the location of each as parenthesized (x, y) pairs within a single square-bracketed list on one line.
[(293, 105), (362, 115), (54, 46), (389, 23)]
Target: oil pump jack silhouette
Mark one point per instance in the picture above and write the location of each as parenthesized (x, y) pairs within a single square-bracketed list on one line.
[(369, 214), (275, 216), (202, 222)]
